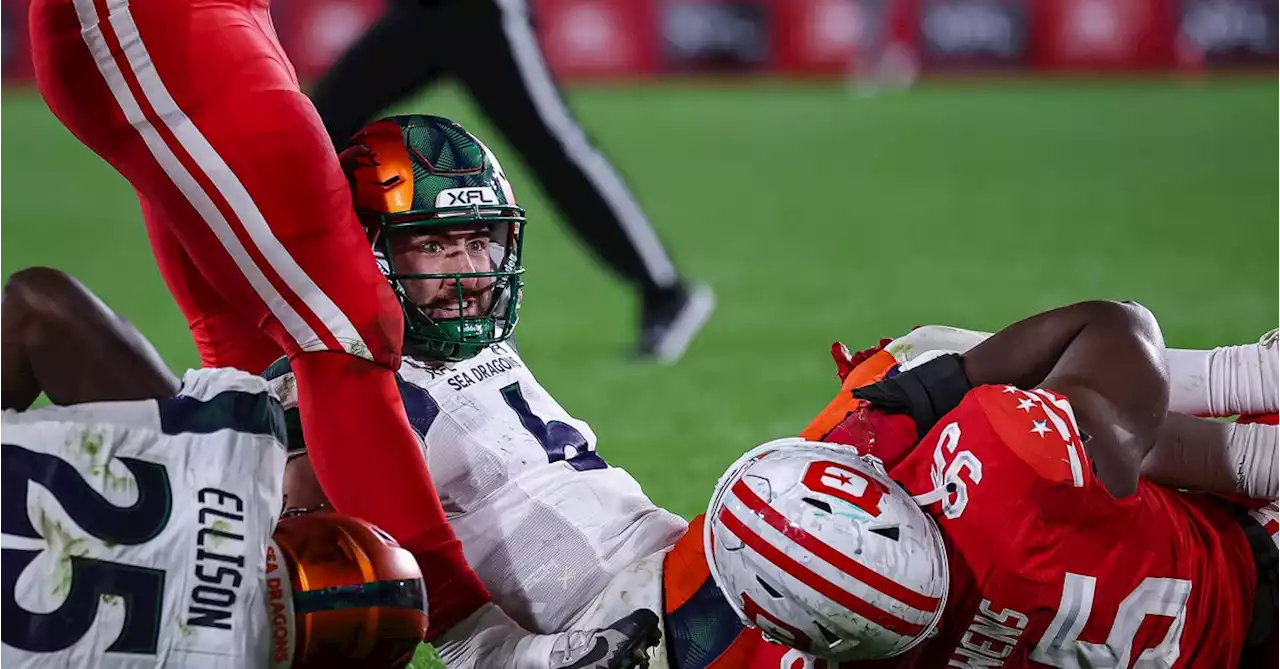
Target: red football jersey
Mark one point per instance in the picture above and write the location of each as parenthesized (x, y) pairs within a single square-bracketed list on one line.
[(1049, 570)]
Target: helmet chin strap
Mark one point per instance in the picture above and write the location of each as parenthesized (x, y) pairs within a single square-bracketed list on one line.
[(933, 496)]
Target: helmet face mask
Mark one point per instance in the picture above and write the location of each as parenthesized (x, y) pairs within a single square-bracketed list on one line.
[(454, 305), (446, 231)]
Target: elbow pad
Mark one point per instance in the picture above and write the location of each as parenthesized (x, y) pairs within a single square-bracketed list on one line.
[(926, 393)]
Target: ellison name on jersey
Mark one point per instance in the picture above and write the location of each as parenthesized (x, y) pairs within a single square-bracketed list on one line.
[(219, 559)]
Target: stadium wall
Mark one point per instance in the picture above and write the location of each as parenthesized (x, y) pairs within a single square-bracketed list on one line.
[(641, 39)]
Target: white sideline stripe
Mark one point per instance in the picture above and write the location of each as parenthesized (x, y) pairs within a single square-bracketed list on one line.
[(551, 109)]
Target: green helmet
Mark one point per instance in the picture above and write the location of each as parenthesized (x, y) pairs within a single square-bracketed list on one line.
[(416, 178)]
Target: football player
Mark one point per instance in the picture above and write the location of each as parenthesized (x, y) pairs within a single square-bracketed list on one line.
[(250, 219), (542, 518), (1237, 458), (991, 513), (560, 538), (139, 515)]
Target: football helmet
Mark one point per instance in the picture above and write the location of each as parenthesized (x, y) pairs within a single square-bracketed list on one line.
[(417, 175), (820, 549), (342, 593)]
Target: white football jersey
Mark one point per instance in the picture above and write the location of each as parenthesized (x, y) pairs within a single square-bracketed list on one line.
[(543, 520), (135, 533)]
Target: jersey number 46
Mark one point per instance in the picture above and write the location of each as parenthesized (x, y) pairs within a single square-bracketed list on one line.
[(1061, 645)]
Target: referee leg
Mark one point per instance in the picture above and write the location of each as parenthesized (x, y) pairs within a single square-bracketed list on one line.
[(395, 59), (511, 83)]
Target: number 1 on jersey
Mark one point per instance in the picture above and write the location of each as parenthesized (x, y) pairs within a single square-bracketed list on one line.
[(560, 440)]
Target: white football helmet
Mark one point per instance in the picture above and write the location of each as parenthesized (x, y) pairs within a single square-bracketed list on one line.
[(820, 549)]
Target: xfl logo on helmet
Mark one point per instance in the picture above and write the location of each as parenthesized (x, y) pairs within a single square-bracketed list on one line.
[(466, 197)]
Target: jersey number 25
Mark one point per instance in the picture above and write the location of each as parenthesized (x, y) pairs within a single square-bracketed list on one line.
[(140, 588)]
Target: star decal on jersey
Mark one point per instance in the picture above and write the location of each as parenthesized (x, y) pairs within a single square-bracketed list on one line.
[(1026, 403), (1012, 389), (1040, 427)]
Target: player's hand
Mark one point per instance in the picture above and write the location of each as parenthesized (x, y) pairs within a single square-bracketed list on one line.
[(846, 362), (843, 359)]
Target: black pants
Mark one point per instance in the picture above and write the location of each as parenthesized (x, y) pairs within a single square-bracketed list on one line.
[(491, 48), (1260, 645)]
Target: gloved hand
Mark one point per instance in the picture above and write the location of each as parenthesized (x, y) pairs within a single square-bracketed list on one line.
[(846, 362)]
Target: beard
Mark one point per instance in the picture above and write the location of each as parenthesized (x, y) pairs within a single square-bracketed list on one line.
[(475, 304)]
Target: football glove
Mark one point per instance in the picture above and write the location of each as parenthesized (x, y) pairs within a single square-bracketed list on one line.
[(926, 393)]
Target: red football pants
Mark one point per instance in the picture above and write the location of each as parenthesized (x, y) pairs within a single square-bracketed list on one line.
[(248, 211), (251, 221)]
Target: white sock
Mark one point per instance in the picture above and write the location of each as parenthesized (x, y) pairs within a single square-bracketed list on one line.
[(490, 639), (1225, 381), (1216, 456)]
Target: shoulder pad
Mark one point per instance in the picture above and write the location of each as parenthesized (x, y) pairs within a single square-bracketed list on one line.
[(1039, 427)]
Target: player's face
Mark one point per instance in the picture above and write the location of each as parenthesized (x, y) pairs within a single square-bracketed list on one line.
[(457, 250), (301, 487)]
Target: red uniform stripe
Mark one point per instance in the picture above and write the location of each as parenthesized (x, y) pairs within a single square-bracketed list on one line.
[(210, 189), (818, 583), (835, 558)]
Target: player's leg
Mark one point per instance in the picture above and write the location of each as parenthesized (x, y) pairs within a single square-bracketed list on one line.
[(1227, 380), (512, 84), (223, 335), (60, 339), (394, 59), (196, 105)]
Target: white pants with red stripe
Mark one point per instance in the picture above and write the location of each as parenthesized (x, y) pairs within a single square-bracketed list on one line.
[(247, 209)]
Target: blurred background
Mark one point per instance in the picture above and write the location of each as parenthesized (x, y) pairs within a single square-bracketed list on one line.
[(835, 169)]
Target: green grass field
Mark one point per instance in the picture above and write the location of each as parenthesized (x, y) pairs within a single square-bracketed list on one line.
[(816, 215)]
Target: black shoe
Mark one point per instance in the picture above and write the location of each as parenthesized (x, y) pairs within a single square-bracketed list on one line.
[(623, 645), (669, 323)]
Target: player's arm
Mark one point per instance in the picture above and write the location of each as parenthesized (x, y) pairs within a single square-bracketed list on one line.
[(60, 339), (1108, 359)]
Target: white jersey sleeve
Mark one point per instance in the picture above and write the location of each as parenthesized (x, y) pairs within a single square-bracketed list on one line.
[(134, 533), (545, 522)]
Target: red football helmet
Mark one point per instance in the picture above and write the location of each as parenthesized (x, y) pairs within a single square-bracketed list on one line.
[(351, 594)]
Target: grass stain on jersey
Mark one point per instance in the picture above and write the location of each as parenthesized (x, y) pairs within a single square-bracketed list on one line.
[(900, 350), (91, 443), (219, 525), (61, 547)]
